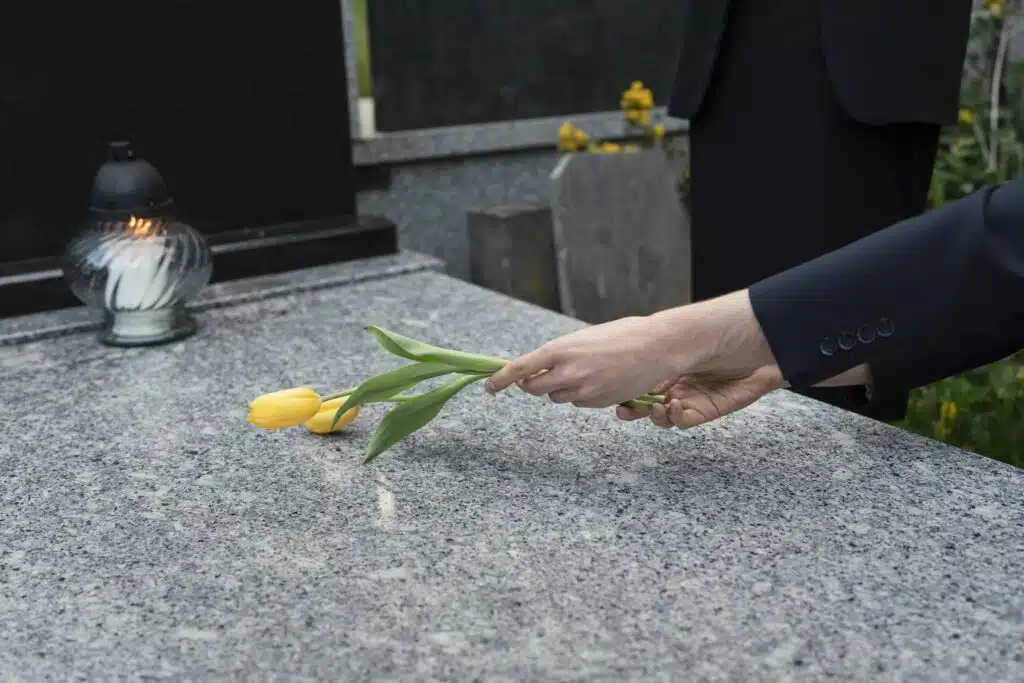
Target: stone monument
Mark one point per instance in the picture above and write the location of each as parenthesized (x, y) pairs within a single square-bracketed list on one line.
[(622, 236)]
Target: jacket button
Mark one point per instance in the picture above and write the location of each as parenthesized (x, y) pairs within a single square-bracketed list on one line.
[(866, 334), (827, 346), (885, 327), (846, 341)]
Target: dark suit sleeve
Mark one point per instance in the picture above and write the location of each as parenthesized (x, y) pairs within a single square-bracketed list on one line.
[(929, 297)]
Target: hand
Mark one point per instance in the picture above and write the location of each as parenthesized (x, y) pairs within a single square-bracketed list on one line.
[(612, 363), (594, 367), (697, 399)]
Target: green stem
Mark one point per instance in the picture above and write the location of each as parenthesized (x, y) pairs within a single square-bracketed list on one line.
[(337, 394), (645, 401)]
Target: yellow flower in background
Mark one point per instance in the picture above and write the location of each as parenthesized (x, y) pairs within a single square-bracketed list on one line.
[(947, 413), (571, 138), (609, 147), (994, 6), (321, 422), (638, 117), (637, 97), (285, 408), (658, 131), (966, 116)]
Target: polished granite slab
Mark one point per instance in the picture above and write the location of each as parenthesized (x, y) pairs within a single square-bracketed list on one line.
[(148, 533)]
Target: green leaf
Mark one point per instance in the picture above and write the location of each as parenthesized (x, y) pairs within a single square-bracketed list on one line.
[(412, 349), (388, 384), (412, 415)]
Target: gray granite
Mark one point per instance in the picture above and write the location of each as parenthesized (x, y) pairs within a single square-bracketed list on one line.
[(428, 201), (148, 532), (497, 137), (622, 235), (230, 293)]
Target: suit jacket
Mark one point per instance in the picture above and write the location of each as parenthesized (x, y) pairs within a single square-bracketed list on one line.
[(930, 297), (889, 60)]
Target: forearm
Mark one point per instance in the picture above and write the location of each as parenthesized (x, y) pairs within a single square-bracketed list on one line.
[(739, 344), (718, 335)]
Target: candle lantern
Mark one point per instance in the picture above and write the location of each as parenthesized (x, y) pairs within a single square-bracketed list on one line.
[(133, 261)]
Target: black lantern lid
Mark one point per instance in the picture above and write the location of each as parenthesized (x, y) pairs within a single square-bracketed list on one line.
[(127, 186)]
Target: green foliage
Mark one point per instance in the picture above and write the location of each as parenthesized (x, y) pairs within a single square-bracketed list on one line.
[(362, 45), (982, 410), (985, 147)]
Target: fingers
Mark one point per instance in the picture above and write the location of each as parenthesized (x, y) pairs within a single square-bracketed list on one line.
[(545, 382), (676, 414), (520, 369), (631, 414)]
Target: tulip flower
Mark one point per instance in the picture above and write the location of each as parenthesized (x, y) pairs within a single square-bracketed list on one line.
[(285, 408), (323, 422)]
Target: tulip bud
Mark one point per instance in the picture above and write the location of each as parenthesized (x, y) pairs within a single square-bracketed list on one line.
[(285, 408), (321, 422)]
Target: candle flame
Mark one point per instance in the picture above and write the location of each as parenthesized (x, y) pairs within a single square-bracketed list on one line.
[(140, 227)]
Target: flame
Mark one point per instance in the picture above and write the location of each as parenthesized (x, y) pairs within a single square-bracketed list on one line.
[(140, 227)]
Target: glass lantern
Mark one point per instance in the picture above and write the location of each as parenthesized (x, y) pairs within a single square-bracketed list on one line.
[(133, 262)]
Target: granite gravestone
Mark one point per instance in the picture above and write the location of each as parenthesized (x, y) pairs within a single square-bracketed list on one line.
[(512, 251), (621, 235), (473, 61), (242, 107)]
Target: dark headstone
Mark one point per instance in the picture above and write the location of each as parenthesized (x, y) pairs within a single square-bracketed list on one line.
[(512, 251), (241, 106), (472, 61)]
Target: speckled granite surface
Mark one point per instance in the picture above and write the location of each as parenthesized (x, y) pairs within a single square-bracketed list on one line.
[(148, 533)]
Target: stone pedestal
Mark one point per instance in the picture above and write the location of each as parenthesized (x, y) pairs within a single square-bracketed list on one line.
[(511, 251), (621, 234), (147, 531)]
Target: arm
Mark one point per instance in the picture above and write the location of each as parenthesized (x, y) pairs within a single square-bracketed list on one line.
[(907, 300)]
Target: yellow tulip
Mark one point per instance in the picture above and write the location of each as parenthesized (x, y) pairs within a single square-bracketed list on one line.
[(285, 408), (321, 422), (610, 147), (966, 116), (658, 131)]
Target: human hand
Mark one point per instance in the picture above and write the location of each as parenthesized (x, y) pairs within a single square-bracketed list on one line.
[(615, 362), (696, 399), (594, 367)]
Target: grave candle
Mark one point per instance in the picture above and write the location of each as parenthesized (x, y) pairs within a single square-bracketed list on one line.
[(134, 263)]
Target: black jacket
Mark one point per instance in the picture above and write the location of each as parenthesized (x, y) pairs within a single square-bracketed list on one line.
[(889, 60), (930, 297)]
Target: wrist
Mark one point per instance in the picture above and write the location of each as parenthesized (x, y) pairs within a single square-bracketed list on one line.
[(716, 335)]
